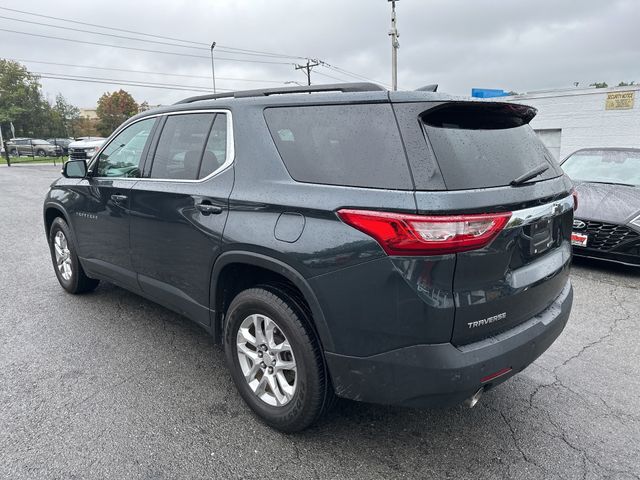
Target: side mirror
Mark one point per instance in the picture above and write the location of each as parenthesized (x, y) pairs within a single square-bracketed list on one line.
[(75, 169)]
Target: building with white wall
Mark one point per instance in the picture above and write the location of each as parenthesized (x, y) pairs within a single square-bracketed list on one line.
[(575, 118), (89, 113)]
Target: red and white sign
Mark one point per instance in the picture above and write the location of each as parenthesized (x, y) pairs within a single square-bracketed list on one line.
[(578, 239)]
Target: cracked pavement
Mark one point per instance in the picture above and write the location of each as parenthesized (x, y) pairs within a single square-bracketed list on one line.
[(109, 385)]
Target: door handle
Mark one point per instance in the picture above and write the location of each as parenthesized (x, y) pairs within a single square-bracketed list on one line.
[(208, 209), (118, 198)]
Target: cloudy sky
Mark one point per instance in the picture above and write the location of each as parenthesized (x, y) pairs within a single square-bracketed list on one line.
[(514, 45)]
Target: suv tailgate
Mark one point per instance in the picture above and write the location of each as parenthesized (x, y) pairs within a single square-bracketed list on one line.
[(474, 151)]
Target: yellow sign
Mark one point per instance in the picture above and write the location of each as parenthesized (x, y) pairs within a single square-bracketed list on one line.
[(619, 100)]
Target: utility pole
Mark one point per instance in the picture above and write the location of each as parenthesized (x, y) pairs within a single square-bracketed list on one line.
[(213, 68), (393, 33), (308, 68)]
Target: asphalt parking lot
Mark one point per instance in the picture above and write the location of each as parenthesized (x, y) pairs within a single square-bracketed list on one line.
[(109, 385)]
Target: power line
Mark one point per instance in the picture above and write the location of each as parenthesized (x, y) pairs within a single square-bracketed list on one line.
[(146, 71), (123, 80), (180, 54), (203, 44), (262, 52), (330, 76), (351, 74), (125, 37), (224, 48), (100, 26), (100, 33), (114, 81)]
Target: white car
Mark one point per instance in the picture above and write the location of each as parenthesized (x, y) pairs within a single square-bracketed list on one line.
[(84, 148)]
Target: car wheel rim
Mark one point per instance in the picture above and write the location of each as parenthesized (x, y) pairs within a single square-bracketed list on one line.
[(266, 360), (63, 255)]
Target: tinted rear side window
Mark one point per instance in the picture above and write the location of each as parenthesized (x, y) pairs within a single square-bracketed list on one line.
[(181, 146), (485, 145), (215, 152), (352, 145)]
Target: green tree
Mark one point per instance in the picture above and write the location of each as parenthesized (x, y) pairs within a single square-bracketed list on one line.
[(113, 109), (143, 107), (627, 84), (599, 85), (64, 117), (21, 101), (85, 127)]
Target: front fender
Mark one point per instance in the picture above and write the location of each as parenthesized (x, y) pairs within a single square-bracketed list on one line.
[(47, 207)]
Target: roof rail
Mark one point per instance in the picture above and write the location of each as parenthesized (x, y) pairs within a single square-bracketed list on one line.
[(334, 87)]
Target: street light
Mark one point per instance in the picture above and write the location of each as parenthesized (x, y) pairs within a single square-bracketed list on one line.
[(213, 69)]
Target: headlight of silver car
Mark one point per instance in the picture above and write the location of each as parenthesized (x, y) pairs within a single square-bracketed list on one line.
[(90, 151)]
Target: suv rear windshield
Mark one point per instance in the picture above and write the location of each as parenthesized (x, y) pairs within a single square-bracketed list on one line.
[(480, 145), (352, 145)]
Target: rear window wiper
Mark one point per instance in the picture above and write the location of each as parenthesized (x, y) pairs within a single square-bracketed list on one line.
[(539, 170)]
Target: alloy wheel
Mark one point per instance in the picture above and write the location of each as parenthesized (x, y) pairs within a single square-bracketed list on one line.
[(63, 255), (266, 360)]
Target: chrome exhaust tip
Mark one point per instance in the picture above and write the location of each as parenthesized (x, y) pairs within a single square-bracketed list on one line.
[(474, 399)]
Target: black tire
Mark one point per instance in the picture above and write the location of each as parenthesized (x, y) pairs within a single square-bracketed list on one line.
[(13, 152), (78, 282), (41, 153), (313, 393)]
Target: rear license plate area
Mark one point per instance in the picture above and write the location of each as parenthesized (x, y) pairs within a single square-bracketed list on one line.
[(541, 236), (579, 239)]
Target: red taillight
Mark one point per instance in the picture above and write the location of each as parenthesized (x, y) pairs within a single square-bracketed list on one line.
[(401, 234), (574, 194)]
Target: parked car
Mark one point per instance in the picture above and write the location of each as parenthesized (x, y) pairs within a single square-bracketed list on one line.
[(33, 146), (62, 142), (327, 245), (84, 148), (607, 221)]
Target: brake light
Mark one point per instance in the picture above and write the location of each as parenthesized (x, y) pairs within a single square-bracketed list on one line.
[(401, 234), (574, 194)]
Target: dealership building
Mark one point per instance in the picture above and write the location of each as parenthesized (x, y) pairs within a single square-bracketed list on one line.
[(570, 119)]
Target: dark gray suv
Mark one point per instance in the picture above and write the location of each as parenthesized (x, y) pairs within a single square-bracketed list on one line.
[(404, 248)]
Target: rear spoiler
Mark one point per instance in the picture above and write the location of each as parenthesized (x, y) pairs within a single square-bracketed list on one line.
[(478, 115)]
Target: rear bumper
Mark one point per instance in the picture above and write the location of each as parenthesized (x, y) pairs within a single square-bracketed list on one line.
[(623, 258), (443, 374)]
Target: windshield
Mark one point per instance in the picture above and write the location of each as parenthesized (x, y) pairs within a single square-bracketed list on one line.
[(607, 166)]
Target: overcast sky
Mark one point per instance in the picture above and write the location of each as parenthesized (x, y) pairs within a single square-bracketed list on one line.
[(514, 45)]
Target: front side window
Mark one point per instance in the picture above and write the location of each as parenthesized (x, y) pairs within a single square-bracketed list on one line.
[(121, 158)]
